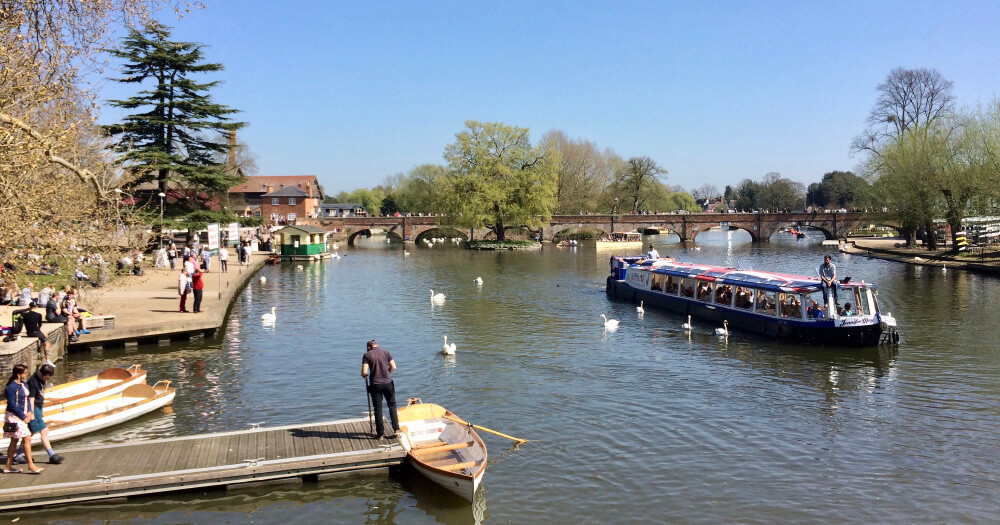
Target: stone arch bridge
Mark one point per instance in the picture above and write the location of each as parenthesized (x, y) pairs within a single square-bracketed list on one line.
[(687, 226)]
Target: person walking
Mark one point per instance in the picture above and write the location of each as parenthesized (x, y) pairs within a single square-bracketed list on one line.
[(36, 400), (16, 420), (172, 256), (247, 252), (223, 259), (206, 257), (377, 367), (184, 288), (197, 286)]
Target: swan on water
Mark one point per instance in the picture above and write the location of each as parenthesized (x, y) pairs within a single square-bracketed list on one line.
[(639, 308), (263, 279), (336, 246), (610, 324), (448, 349), (335, 255), (437, 298), (406, 253), (271, 317), (478, 281), (725, 328), (299, 267), (687, 326)]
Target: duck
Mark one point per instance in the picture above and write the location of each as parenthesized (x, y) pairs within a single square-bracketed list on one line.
[(271, 317), (639, 309), (687, 326), (263, 279), (725, 328), (478, 281), (437, 298), (610, 324), (448, 349)]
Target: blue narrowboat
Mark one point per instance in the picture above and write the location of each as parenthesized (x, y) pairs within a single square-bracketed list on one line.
[(788, 307)]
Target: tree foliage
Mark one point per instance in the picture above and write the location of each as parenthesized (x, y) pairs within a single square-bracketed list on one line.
[(584, 172), (497, 179), (837, 189), (182, 132), (772, 193)]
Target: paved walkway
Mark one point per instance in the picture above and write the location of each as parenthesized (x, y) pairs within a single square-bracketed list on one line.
[(147, 306), (894, 250)]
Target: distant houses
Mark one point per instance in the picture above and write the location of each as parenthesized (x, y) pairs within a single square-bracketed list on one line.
[(279, 199), (346, 209)]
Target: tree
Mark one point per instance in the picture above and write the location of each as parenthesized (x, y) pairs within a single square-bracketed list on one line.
[(706, 192), (907, 99), (169, 138), (498, 180), (583, 173), (637, 179), (837, 189), (417, 192)]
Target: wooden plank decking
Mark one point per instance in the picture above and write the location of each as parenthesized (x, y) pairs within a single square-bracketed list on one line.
[(207, 460)]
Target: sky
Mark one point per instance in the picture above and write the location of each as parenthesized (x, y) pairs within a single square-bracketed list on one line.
[(714, 92)]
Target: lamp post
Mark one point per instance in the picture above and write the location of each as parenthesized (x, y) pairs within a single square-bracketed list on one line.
[(614, 210), (162, 195), (118, 214)]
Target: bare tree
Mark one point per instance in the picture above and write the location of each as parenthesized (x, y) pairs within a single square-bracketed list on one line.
[(907, 99), (640, 175), (706, 191), (584, 171)]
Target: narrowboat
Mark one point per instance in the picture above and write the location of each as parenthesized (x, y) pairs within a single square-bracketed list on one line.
[(774, 305)]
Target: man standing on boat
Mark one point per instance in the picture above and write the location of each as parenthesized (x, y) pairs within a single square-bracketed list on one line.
[(379, 363), (652, 253), (828, 275)]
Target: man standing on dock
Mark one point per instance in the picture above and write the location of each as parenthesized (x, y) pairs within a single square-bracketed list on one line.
[(381, 365)]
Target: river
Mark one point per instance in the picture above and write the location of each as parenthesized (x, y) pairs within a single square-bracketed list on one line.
[(646, 424)]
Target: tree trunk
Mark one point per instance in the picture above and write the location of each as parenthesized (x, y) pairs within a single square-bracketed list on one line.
[(907, 233), (931, 238)]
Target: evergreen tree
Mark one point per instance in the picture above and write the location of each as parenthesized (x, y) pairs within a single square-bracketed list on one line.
[(170, 140)]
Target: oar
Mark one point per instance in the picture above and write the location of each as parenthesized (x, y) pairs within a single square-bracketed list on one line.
[(371, 417), (501, 434)]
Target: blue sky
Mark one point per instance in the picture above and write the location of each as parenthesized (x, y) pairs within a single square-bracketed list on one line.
[(715, 92)]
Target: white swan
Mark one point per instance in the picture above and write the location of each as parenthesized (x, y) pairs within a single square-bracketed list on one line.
[(640, 309), (263, 279), (448, 349), (610, 324), (336, 246), (271, 317), (725, 328), (299, 267), (335, 255), (687, 326), (478, 281), (437, 298), (406, 253)]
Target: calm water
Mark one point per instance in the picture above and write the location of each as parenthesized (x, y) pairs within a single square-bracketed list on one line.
[(644, 424)]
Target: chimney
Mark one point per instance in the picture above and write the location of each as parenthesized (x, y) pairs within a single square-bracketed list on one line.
[(232, 150)]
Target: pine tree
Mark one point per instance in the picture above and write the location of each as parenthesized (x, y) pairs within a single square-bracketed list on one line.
[(171, 140)]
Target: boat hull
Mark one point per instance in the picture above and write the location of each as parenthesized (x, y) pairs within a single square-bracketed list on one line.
[(109, 411), (108, 382), (436, 443), (809, 332)]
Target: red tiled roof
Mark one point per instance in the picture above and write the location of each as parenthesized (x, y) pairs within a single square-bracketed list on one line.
[(260, 184)]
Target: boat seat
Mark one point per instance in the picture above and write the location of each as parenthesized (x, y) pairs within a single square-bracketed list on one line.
[(458, 466), (431, 444), (442, 448)]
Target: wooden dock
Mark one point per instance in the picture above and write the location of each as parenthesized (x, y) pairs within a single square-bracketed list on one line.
[(207, 460)]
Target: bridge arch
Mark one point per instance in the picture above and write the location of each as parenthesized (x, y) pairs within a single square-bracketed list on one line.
[(440, 231)]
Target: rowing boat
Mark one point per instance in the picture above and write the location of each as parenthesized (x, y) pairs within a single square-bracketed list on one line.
[(107, 382), (88, 416), (448, 453)]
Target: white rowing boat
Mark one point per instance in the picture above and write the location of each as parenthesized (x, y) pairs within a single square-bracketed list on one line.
[(445, 451), (107, 382), (88, 416)]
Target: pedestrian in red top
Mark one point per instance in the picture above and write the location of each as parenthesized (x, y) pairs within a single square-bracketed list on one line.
[(198, 285)]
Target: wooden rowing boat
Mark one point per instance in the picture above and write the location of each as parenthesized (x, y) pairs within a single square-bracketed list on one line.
[(448, 453), (107, 382), (96, 414)]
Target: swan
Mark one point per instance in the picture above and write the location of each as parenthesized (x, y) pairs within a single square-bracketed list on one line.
[(448, 349), (269, 318), (640, 309), (610, 324), (437, 298), (299, 267), (336, 246), (478, 281), (336, 255), (406, 253), (725, 328), (263, 279), (687, 326)]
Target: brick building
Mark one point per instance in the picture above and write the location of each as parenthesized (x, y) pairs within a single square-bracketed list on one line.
[(250, 196)]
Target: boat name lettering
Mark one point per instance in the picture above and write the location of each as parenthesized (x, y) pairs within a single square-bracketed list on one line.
[(638, 278), (856, 321)]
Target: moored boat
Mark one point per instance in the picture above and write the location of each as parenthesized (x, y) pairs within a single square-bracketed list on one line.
[(442, 448), (107, 382), (88, 416), (790, 307)]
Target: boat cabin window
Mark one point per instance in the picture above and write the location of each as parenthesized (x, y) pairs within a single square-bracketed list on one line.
[(765, 302), (724, 294), (656, 282), (790, 305), (861, 305), (744, 297), (671, 285), (687, 287), (815, 307), (704, 291)]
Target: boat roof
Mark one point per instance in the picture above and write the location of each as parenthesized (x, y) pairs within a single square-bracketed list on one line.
[(735, 276)]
